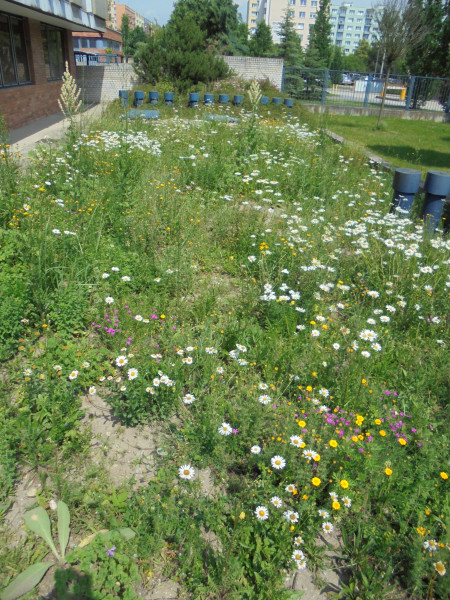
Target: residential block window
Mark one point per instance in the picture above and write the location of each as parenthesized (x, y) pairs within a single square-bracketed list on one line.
[(301, 15), (14, 69), (302, 2), (52, 41), (291, 14), (291, 2), (301, 26), (314, 3)]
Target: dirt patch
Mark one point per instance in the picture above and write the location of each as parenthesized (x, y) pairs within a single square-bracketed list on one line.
[(125, 452), (315, 586)]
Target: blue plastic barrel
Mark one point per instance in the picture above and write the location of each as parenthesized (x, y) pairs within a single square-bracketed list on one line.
[(193, 99), (437, 186), (406, 184), (277, 100), (153, 97), (123, 94), (237, 100), (223, 98), (168, 98), (264, 100), (289, 102), (208, 99), (138, 98)]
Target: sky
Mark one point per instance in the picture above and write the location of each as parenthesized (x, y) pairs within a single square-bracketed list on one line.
[(161, 9)]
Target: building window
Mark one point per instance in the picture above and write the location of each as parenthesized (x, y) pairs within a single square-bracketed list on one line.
[(291, 14), (14, 68), (314, 3), (52, 41), (302, 2), (291, 2), (301, 26), (301, 15), (312, 15)]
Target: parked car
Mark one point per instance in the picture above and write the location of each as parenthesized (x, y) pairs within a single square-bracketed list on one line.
[(346, 80)]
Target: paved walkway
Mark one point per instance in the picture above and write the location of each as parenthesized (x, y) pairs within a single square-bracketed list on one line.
[(24, 139)]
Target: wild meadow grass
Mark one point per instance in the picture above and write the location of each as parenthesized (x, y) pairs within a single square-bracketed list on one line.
[(244, 287)]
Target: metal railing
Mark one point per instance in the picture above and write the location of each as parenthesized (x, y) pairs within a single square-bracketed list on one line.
[(341, 88), (96, 59)]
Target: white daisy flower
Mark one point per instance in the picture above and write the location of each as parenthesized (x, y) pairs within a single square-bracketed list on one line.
[(132, 374), (189, 398), (225, 429), (261, 513), (276, 501), (327, 527), (186, 472), (278, 462)]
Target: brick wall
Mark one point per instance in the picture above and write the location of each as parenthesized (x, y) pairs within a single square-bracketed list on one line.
[(23, 104), (257, 68), (102, 83)]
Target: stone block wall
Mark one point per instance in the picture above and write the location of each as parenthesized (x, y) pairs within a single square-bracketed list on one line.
[(102, 83), (249, 67)]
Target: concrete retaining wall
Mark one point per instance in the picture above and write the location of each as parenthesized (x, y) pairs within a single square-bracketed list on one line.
[(423, 115), (249, 67), (102, 83)]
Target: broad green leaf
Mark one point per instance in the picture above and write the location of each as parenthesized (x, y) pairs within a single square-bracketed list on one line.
[(37, 520), (26, 581), (63, 526)]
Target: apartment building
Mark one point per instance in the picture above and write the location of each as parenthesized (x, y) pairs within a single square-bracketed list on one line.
[(35, 44), (117, 11), (352, 23), (302, 12)]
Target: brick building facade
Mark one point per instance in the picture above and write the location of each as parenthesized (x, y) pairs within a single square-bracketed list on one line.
[(35, 44)]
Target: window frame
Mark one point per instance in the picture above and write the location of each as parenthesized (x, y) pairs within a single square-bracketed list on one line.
[(45, 28), (12, 47)]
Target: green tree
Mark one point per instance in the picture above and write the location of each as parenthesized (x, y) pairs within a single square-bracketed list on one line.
[(219, 19), (319, 37), (238, 42), (336, 64), (187, 61), (401, 29), (136, 36), (261, 43), (290, 47), (149, 57), (125, 31), (433, 58)]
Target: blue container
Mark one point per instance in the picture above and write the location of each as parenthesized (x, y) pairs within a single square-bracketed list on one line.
[(277, 101), (237, 100), (138, 98), (124, 95), (168, 98), (208, 99), (289, 102), (193, 99), (406, 185), (153, 97), (223, 98), (437, 186), (264, 100)]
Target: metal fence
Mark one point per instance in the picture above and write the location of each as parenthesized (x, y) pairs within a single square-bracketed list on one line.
[(95, 59), (341, 88)]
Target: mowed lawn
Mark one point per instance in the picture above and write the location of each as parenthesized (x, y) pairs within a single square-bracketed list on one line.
[(420, 145)]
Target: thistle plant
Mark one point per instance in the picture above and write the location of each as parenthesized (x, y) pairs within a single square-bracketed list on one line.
[(69, 102)]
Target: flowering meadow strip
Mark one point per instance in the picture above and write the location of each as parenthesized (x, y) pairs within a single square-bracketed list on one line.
[(255, 296)]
